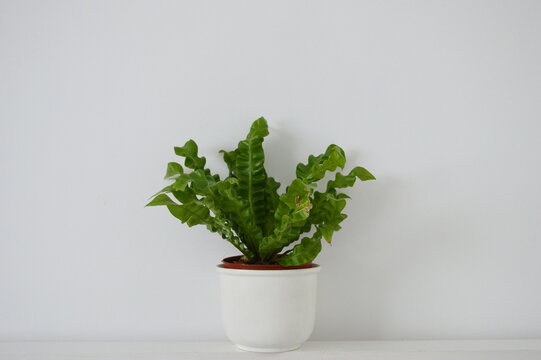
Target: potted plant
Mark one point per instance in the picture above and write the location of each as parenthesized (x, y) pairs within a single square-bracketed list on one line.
[(268, 294)]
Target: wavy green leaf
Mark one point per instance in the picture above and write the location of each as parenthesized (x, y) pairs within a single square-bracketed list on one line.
[(189, 152), (230, 158), (327, 213), (160, 200), (165, 190), (291, 214), (342, 181), (237, 211), (272, 199), (173, 170), (200, 181), (196, 213), (185, 196), (305, 251), (192, 213), (317, 166), (251, 171), (221, 226)]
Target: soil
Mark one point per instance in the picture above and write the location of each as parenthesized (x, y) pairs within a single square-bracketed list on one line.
[(242, 262)]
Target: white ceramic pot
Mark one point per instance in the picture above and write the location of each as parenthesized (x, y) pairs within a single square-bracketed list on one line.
[(268, 310)]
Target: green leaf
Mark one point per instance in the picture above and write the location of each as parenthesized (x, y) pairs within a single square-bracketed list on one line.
[(259, 129), (189, 152), (225, 193), (196, 213), (305, 251), (251, 171), (200, 181), (237, 211), (193, 213), (317, 166), (295, 201), (291, 214), (181, 182), (173, 169), (221, 226), (185, 196), (160, 200), (165, 190), (342, 181), (230, 158), (327, 213), (272, 199)]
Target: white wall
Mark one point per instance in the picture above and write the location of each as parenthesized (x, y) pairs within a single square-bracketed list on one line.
[(440, 100)]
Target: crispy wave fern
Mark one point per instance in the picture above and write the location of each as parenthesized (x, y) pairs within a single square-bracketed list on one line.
[(245, 208)]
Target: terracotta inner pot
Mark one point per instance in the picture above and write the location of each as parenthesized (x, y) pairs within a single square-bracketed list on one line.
[(230, 263)]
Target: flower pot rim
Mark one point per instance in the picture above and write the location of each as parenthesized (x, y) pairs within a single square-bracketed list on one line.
[(267, 273), (229, 263)]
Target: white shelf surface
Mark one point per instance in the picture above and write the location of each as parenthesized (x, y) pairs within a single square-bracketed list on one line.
[(527, 349)]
